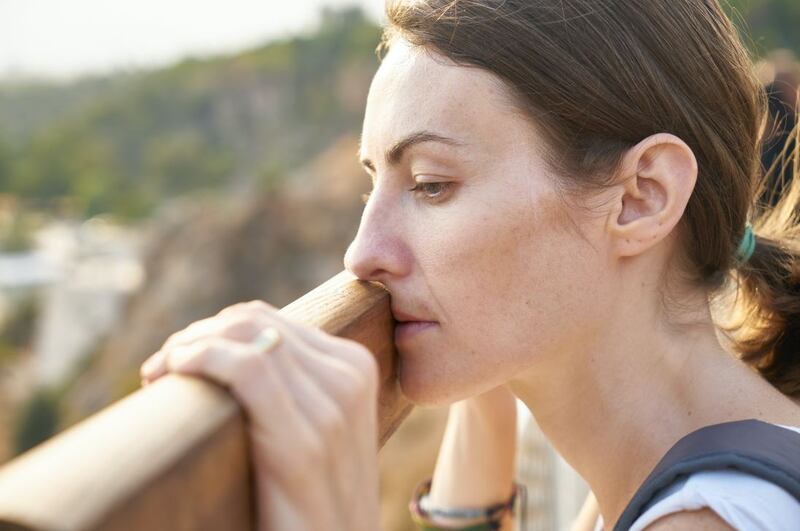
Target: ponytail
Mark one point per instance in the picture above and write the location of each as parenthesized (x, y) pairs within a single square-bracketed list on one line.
[(764, 323)]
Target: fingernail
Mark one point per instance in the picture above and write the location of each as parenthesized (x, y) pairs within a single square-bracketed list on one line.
[(149, 366)]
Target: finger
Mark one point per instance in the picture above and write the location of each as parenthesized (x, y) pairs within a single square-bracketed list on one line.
[(353, 391), (152, 368), (322, 350), (347, 368), (312, 395), (317, 426), (330, 422), (334, 358), (215, 354), (250, 373), (233, 322), (344, 368), (361, 357), (257, 383), (316, 356), (237, 326), (341, 383), (216, 357), (240, 326), (352, 352)]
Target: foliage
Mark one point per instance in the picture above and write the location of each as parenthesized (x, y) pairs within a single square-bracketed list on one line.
[(767, 24), (200, 125), (123, 144), (5, 164), (16, 336), (19, 328), (37, 420), (30, 106)]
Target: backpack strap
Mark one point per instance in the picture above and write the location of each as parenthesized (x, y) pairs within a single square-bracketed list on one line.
[(758, 448)]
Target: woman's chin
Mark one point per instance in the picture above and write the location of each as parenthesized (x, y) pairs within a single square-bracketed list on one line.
[(423, 388), (428, 385)]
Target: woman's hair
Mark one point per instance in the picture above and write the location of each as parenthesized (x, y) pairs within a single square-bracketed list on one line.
[(598, 76)]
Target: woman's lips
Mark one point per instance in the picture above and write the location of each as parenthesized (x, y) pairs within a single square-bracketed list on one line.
[(403, 331)]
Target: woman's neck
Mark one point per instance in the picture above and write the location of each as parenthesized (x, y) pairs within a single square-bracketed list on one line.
[(613, 405)]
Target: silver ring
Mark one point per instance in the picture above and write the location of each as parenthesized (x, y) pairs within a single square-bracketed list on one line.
[(267, 339)]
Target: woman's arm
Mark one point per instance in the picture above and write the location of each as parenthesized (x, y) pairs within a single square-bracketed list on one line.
[(475, 466), (587, 517)]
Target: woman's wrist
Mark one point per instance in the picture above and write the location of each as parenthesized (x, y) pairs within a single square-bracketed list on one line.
[(498, 403), (475, 466), (491, 415), (495, 516)]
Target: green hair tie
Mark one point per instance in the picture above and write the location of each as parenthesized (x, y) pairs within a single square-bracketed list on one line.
[(747, 245)]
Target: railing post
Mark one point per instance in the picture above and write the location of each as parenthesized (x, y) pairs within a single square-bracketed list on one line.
[(174, 455)]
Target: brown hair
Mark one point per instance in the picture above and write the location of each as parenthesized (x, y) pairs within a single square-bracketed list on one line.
[(597, 77)]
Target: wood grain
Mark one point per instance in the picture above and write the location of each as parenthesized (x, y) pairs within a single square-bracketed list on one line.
[(175, 455)]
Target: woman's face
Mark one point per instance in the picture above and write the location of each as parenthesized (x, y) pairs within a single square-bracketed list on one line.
[(490, 253)]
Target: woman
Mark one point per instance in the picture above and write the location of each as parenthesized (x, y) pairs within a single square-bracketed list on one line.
[(561, 190)]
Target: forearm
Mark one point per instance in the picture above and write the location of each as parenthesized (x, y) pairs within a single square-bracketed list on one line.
[(475, 466), (587, 517)]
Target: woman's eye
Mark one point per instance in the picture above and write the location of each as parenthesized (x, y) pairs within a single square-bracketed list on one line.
[(432, 190)]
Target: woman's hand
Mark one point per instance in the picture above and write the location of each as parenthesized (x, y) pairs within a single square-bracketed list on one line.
[(311, 403)]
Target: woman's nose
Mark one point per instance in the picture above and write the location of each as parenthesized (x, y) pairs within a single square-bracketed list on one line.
[(377, 251)]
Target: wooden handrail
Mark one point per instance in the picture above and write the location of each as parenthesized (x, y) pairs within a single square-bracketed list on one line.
[(174, 455)]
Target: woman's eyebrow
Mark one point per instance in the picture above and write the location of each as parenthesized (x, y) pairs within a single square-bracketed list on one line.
[(394, 155)]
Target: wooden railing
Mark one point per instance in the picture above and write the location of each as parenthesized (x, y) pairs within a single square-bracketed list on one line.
[(174, 455)]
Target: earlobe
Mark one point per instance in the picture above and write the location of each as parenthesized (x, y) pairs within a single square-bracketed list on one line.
[(661, 172)]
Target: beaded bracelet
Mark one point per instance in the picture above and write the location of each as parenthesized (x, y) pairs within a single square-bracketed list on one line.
[(491, 516)]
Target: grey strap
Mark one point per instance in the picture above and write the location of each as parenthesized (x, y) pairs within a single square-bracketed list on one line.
[(752, 446)]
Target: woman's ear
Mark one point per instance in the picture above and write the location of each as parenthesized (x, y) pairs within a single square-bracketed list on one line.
[(657, 179)]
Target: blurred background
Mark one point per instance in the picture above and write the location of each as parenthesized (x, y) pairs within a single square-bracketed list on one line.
[(160, 161)]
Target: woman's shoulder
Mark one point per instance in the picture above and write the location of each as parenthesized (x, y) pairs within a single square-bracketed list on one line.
[(743, 500)]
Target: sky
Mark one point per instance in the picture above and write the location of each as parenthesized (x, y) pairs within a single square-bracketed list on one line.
[(64, 39)]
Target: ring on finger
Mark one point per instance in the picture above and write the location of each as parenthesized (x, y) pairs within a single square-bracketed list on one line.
[(266, 340)]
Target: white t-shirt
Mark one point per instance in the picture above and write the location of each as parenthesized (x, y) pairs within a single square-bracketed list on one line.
[(744, 501)]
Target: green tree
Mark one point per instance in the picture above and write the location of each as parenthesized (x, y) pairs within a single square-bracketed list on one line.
[(5, 166), (194, 126), (37, 421), (767, 24)]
